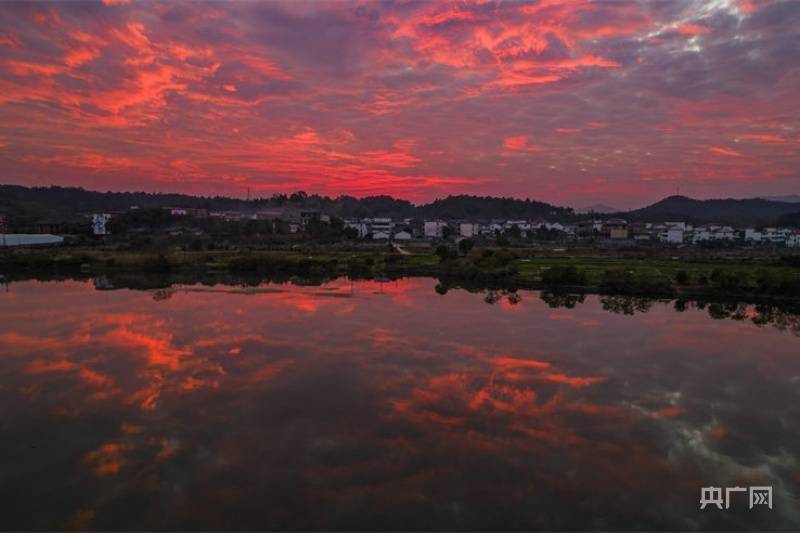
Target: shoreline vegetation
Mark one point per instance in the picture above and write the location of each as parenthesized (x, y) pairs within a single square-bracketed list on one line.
[(733, 276)]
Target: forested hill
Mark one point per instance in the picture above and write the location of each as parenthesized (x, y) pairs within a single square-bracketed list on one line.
[(33, 203), (754, 211), (67, 202), (490, 207), (36, 203)]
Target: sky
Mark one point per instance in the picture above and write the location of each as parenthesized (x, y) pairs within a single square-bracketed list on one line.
[(573, 102)]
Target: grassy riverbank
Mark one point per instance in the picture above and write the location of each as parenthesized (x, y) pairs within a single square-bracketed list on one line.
[(564, 270)]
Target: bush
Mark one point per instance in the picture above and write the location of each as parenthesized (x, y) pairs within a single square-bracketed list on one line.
[(445, 253), (771, 282), (563, 275), (491, 259), (682, 277), (621, 281), (728, 280)]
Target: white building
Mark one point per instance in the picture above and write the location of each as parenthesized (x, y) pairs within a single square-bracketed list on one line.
[(380, 236), (372, 226), (752, 235), (22, 239), (679, 225), (359, 226), (776, 235), (713, 233), (793, 240), (99, 221), (469, 229), (402, 236), (380, 225), (542, 224), (490, 230), (434, 229), (672, 235), (725, 233)]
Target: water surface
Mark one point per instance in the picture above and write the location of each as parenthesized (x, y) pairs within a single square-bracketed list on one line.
[(368, 405)]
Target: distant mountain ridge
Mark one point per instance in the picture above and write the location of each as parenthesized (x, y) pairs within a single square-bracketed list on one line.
[(790, 198), (753, 211)]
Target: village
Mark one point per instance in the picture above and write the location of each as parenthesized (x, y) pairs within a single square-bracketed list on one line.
[(672, 233), (297, 223)]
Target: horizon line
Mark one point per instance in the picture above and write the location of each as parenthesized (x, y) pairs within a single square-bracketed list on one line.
[(344, 195)]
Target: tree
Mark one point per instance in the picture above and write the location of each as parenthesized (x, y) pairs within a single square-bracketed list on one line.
[(514, 232), (444, 253), (465, 246), (299, 197)]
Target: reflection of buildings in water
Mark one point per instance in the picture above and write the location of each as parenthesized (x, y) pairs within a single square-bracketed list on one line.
[(101, 283), (163, 294)]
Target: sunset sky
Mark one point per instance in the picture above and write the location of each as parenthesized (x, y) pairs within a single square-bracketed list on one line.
[(572, 102)]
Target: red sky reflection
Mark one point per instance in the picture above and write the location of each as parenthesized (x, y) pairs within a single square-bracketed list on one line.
[(373, 405), (571, 101)]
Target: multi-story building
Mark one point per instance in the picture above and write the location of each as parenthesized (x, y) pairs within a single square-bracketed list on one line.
[(673, 235), (776, 235), (434, 229), (361, 227), (469, 229), (752, 235), (99, 221), (713, 232), (380, 225), (617, 228)]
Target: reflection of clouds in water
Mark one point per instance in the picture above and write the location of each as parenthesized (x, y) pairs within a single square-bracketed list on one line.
[(290, 413)]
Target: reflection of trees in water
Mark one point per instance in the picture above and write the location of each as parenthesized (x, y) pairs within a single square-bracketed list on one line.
[(779, 317), (494, 296), (734, 311), (558, 299), (769, 314), (626, 305), (784, 318)]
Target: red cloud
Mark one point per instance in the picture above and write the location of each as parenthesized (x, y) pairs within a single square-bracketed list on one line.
[(224, 97), (518, 144), (724, 151)]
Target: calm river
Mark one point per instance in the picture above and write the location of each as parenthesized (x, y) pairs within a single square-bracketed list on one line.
[(368, 405)]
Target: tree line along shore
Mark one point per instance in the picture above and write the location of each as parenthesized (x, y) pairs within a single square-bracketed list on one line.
[(741, 274)]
